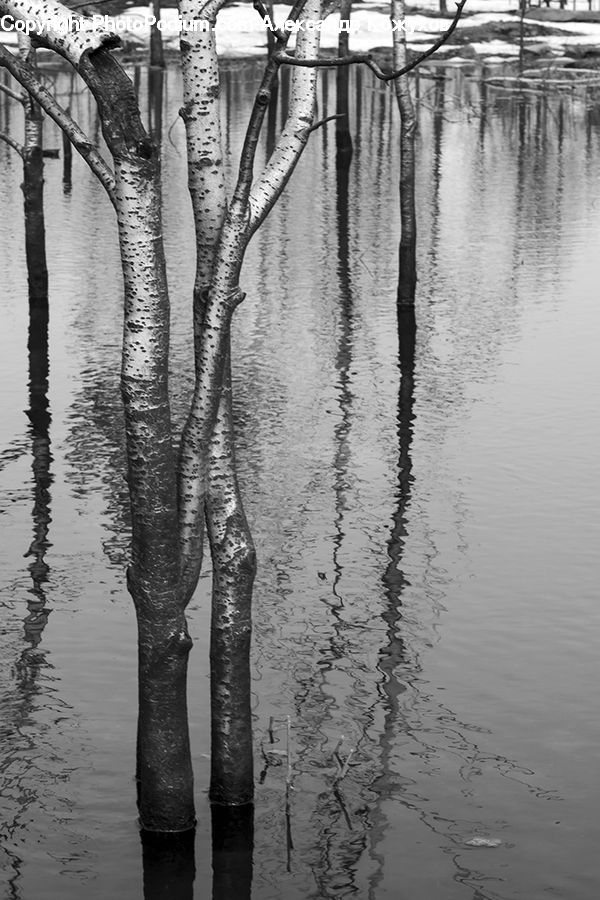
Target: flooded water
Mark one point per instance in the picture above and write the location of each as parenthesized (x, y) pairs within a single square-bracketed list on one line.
[(426, 526)]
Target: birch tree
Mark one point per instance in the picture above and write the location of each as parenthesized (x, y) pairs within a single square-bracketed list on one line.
[(175, 496)]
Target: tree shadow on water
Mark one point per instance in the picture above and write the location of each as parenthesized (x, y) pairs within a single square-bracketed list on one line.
[(169, 859)]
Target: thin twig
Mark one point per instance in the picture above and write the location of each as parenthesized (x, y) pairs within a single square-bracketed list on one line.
[(8, 140), (10, 93), (263, 12), (261, 104), (344, 771), (27, 77), (327, 119), (336, 753), (338, 796), (367, 58), (288, 780), (288, 788)]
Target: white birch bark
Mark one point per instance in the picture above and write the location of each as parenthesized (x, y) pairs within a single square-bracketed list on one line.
[(53, 27), (293, 138), (201, 114), (206, 183), (164, 764)]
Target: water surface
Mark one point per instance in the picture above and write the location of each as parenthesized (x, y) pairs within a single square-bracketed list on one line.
[(426, 532)]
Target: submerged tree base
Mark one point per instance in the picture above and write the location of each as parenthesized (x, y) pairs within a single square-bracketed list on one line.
[(169, 865)]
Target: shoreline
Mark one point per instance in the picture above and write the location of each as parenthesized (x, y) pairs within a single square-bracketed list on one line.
[(563, 36)]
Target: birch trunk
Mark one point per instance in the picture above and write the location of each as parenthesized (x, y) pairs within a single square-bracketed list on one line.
[(207, 479), (164, 770), (164, 762), (407, 277), (234, 568), (206, 183)]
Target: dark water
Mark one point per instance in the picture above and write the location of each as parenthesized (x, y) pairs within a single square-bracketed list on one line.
[(427, 585)]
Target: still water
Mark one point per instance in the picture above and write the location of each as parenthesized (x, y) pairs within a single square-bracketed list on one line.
[(427, 532)]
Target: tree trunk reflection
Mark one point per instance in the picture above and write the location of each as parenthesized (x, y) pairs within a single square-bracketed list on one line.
[(232, 847), (169, 865)]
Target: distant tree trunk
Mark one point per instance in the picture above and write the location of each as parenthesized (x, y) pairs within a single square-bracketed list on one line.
[(407, 278), (343, 138), (522, 37), (443, 7), (33, 192), (157, 55), (156, 81), (67, 160)]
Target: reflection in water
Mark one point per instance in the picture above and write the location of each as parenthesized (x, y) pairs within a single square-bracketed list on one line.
[(393, 656), (32, 658), (232, 847), (39, 417), (169, 865), (439, 94), (343, 361)]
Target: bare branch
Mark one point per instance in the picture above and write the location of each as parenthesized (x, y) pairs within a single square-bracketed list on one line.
[(14, 144), (27, 77), (263, 12), (294, 136), (4, 88), (327, 119), (436, 46), (261, 104), (248, 154), (367, 58)]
